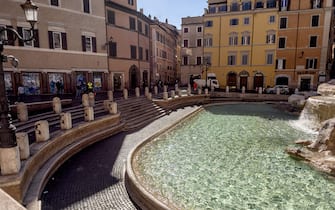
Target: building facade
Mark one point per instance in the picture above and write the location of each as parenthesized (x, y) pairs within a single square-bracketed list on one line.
[(67, 50), (260, 43), (192, 44)]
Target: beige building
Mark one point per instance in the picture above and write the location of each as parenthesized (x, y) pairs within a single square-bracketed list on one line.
[(164, 47), (68, 47), (192, 43)]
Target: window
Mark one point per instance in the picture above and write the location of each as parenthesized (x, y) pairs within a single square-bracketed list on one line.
[(146, 54), (245, 39), (86, 6), (185, 43), (139, 26), (283, 22), (233, 39), (57, 40), (271, 37), (31, 83), (223, 8), (316, 4), (131, 2), (110, 17), (281, 63), (283, 5), (133, 54), (235, 7), (272, 19), (185, 30), (208, 42), (132, 25), (199, 42), (54, 3), (246, 21), (234, 22), (199, 29), (311, 63), (27, 34), (246, 5), (282, 42), (271, 4), (313, 41), (146, 29), (140, 53), (89, 44), (231, 60), (112, 49), (209, 23), (198, 60), (211, 9), (185, 60), (269, 58), (259, 4), (245, 58), (3, 34), (315, 20)]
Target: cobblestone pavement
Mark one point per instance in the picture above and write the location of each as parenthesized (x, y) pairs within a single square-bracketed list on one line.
[(94, 178)]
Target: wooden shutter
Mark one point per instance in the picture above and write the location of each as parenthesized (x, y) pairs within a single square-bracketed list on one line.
[(51, 40), (315, 63), (10, 36), (20, 31), (36, 38), (64, 41), (83, 43), (94, 44), (284, 63)]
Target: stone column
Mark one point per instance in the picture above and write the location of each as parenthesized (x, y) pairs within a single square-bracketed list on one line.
[(65, 121), (23, 143), (42, 131), (22, 111), (165, 95), (125, 94), (110, 95), (112, 107), (84, 100), (57, 105), (89, 113), (173, 94)]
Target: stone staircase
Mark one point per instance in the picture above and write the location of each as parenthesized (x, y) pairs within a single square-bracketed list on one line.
[(138, 112)]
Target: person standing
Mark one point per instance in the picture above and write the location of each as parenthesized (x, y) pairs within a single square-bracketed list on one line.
[(21, 93)]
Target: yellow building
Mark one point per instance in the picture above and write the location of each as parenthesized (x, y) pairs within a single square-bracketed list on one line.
[(240, 42)]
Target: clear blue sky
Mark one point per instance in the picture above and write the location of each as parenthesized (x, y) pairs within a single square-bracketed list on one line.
[(173, 10)]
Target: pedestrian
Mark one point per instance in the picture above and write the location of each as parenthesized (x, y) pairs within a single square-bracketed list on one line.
[(90, 87), (21, 93)]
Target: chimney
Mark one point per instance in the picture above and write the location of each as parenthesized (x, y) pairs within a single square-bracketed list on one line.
[(141, 10)]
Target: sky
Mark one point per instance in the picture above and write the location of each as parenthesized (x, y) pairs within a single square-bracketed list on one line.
[(173, 10)]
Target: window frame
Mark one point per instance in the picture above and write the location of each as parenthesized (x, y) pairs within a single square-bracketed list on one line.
[(244, 59), (280, 42), (231, 61), (269, 58), (313, 41), (55, 3), (87, 6), (313, 23), (233, 22), (283, 25)]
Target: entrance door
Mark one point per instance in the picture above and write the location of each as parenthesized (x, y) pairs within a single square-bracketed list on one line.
[(305, 85), (243, 82), (258, 81), (145, 79)]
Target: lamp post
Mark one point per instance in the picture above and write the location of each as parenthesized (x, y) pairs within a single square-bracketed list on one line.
[(7, 130)]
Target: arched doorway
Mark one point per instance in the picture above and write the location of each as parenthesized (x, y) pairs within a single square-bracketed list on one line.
[(282, 80), (232, 80), (258, 80), (134, 77), (244, 79)]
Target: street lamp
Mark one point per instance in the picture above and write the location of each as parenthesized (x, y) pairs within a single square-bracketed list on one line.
[(7, 130)]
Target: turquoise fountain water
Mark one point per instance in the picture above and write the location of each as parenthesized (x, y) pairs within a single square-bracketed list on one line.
[(232, 157)]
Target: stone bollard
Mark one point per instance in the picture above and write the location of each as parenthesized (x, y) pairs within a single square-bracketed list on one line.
[(89, 113), (206, 91), (57, 105), (260, 90), (10, 160), (22, 111), (149, 96), (165, 95), (110, 94), (42, 131), (278, 91), (137, 92), (165, 88), (112, 107), (212, 88), (106, 104), (65, 121), (125, 94), (189, 91), (23, 143), (155, 90), (179, 93), (227, 89), (199, 91), (243, 90), (176, 88), (173, 94), (296, 91), (84, 100), (91, 99), (146, 91)]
